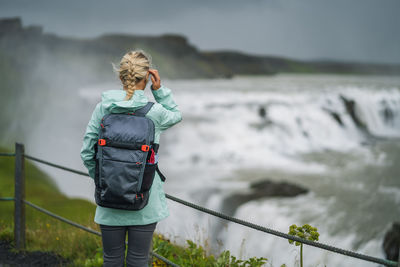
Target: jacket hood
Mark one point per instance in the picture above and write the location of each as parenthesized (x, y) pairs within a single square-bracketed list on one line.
[(113, 101)]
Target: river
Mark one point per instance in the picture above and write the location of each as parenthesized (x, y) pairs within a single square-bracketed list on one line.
[(338, 136)]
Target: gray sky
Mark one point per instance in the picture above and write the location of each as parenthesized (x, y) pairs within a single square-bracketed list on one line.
[(354, 30)]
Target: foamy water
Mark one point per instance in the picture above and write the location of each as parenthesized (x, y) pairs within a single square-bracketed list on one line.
[(286, 128)]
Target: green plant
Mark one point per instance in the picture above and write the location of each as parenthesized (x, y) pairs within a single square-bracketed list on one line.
[(6, 233), (306, 232), (97, 261), (195, 255), (45, 233), (225, 259)]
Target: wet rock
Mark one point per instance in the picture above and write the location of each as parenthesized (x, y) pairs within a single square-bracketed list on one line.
[(335, 116), (269, 188), (387, 113), (265, 120), (391, 242), (262, 112), (261, 189), (350, 105)]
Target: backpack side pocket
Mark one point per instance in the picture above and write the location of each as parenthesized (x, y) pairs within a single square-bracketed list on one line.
[(148, 176)]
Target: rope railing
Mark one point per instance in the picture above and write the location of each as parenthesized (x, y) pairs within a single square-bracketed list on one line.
[(283, 235), (56, 165), (87, 229), (246, 223), (47, 212), (6, 198), (2, 154), (167, 261), (58, 217)]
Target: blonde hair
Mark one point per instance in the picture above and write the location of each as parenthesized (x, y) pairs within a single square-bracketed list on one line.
[(132, 69)]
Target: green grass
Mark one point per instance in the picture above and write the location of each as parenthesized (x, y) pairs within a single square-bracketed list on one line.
[(45, 233)]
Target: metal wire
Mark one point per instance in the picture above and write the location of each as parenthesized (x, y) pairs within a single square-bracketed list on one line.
[(6, 198), (64, 219), (283, 235), (245, 223), (3, 154), (61, 218), (56, 165), (167, 261), (87, 229)]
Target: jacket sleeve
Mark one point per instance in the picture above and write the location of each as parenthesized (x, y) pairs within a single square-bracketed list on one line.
[(168, 111), (90, 139)]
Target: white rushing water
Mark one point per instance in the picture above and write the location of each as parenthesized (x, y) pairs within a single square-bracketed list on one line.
[(335, 135)]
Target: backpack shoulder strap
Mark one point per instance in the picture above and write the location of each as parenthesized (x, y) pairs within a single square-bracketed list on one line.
[(143, 110)]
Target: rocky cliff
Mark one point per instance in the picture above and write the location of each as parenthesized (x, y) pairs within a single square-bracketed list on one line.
[(172, 54)]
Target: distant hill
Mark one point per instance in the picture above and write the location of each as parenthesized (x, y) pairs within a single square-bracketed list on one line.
[(172, 54)]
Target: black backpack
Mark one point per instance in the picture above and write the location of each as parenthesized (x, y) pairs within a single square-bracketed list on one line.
[(125, 160)]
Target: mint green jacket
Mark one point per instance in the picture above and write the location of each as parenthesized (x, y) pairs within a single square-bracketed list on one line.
[(165, 113)]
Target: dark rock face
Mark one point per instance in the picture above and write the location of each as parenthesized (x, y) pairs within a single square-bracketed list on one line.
[(10, 25), (350, 105), (29, 258), (262, 112), (177, 58), (276, 189), (391, 242), (13, 26), (387, 113), (335, 116), (262, 189)]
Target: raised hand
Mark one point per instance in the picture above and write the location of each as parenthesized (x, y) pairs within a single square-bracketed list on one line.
[(155, 79)]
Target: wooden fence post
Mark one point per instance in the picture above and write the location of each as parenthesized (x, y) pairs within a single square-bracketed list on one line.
[(19, 195)]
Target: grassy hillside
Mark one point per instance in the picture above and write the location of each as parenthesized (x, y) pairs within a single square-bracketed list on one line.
[(45, 233)]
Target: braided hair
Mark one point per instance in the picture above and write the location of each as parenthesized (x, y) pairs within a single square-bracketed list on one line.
[(132, 69)]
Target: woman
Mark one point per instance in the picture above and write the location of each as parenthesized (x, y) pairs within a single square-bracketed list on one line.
[(134, 71)]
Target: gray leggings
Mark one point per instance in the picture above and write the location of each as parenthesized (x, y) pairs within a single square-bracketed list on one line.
[(139, 240)]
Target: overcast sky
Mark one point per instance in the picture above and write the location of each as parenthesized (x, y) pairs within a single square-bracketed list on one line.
[(354, 30)]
